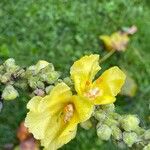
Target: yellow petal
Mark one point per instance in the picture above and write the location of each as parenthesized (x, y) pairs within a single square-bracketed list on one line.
[(83, 71), (58, 134), (37, 123), (59, 96), (83, 106), (109, 84)]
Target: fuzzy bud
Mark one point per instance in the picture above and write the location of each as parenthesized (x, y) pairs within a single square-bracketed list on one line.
[(116, 133), (41, 65), (130, 122), (108, 108), (48, 89), (111, 122), (86, 125), (147, 135), (104, 132), (129, 138), (99, 115), (147, 147), (9, 93)]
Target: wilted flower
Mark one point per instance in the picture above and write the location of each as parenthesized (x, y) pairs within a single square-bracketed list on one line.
[(117, 41), (104, 89), (54, 118)]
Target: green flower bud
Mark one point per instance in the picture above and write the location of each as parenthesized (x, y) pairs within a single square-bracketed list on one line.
[(99, 115), (104, 132), (41, 65), (9, 93), (52, 77), (68, 81), (116, 133), (130, 138), (111, 122), (9, 62), (115, 116), (5, 78), (109, 107), (86, 125), (35, 83), (10, 65), (130, 122), (147, 135), (147, 147), (48, 89), (30, 72), (139, 130), (1, 69)]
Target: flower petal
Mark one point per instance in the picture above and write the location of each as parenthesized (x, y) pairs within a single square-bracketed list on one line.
[(84, 107), (58, 133), (83, 71), (109, 84)]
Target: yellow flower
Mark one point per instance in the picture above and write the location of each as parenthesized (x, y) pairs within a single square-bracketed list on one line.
[(104, 89), (117, 41), (53, 119)]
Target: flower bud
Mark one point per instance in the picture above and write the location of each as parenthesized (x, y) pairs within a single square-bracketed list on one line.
[(99, 115), (52, 77), (5, 78), (48, 89), (111, 122), (9, 62), (9, 93), (86, 125), (129, 138), (116, 133), (40, 65), (109, 107), (68, 81), (147, 147), (104, 132), (130, 123), (147, 135), (10, 65), (139, 130)]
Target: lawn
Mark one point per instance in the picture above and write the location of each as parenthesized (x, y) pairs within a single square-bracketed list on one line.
[(61, 32)]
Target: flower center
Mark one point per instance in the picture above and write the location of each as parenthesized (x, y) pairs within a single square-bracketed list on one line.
[(93, 93), (68, 112)]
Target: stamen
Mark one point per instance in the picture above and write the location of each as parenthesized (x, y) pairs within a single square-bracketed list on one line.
[(93, 93), (68, 112)]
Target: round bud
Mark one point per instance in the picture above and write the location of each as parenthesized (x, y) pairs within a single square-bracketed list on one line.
[(116, 133), (104, 132), (129, 138), (130, 122), (108, 108), (147, 147), (48, 89), (86, 125), (99, 115), (9, 93), (147, 135), (40, 65)]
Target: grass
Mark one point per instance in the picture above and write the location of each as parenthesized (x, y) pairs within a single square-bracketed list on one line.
[(63, 31)]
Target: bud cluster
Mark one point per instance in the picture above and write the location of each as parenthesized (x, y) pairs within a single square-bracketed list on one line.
[(40, 78), (123, 129)]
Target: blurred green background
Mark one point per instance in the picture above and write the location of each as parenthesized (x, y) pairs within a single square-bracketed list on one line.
[(64, 30)]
